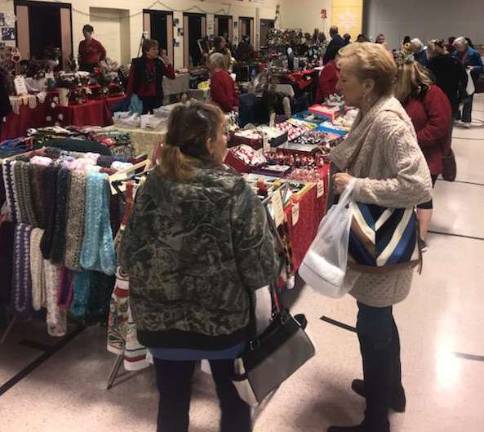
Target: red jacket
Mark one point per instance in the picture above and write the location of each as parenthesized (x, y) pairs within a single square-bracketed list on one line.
[(432, 117), (91, 52), (223, 92), (327, 82)]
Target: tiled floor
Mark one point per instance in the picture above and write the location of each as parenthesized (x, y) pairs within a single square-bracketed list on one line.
[(444, 315)]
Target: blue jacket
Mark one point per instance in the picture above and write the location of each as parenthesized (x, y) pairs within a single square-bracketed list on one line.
[(471, 59)]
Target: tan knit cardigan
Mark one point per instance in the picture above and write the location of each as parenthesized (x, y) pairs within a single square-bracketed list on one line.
[(391, 171)]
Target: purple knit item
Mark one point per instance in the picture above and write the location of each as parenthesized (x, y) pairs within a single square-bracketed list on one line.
[(22, 283), (66, 290)]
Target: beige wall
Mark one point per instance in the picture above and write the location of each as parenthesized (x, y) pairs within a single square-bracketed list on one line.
[(305, 15), (235, 8)]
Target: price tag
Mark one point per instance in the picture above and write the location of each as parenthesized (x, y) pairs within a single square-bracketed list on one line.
[(278, 208), (295, 213), (20, 85), (320, 189)]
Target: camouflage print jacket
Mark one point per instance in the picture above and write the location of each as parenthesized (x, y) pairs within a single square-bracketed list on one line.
[(193, 252)]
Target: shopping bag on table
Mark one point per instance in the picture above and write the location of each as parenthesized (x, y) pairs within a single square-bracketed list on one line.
[(324, 266)]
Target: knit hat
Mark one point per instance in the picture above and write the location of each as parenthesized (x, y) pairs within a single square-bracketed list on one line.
[(37, 269), (22, 284), (98, 245), (75, 221)]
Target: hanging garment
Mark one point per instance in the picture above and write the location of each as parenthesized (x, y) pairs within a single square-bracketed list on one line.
[(98, 246), (37, 270), (75, 221), (22, 282), (56, 316)]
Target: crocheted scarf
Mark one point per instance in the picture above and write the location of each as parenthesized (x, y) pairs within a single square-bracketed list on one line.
[(59, 236), (22, 283), (37, 270), (50, 195), (56, 316), (75, 221), (37, 173), (98, 246), (10, 192), (24, 195)]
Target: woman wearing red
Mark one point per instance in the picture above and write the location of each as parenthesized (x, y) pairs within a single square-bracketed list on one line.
[(327, 79), (146, 76), (91, 51), (429, 109), (222, 87)]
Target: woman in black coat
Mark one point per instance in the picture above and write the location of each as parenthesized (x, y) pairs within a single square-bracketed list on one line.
[(449, 73)]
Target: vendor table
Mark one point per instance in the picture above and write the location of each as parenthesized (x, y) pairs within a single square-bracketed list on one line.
[(175, 87), (312, 207), (16, 125), (144, 140), (91, 113)]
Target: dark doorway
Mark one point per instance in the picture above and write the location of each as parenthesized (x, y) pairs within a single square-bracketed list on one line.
[(159, 24), (45, 29), (42, 26), (194, 31), (223, 26)]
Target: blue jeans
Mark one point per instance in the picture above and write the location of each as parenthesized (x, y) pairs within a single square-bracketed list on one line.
[(382, 370)]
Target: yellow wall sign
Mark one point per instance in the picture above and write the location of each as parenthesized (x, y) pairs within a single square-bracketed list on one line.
[(348, 16)]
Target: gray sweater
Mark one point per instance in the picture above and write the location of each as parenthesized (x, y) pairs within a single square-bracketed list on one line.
[(391, 172)]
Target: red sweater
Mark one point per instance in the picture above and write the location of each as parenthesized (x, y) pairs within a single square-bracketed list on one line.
[(432, 117), (327, 82), (91, 52), (223, 92)]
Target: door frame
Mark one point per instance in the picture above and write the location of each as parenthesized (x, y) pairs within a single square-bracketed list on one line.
[(171, 36), (186, 36), (57, 5)]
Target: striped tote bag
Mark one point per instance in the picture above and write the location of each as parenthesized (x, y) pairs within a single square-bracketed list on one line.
[(383, 239)]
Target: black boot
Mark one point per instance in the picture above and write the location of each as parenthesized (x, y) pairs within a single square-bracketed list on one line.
[(398, 401)]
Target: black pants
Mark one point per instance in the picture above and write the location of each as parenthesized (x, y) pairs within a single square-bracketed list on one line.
[(382, 370), (150, 103), (174, 380)]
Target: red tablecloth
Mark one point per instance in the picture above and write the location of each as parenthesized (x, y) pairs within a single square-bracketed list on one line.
[(311, 211), (92, 113), (16, 125)]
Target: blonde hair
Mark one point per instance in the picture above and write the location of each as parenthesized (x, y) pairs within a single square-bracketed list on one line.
[(436, 47), (413, 80), (374, 62), (190, 126)]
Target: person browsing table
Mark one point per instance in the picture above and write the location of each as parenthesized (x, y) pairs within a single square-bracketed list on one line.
[(91, 51)]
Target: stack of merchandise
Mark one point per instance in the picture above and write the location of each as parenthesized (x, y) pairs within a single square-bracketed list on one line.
[(244, 158), (12, 147), (295, 128)]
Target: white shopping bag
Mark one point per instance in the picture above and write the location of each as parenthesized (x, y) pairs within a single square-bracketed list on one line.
[(324, 266), (470, 89)]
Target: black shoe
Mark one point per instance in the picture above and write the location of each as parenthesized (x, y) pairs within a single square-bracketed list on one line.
[(364, 427), (399, 400)]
